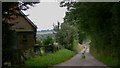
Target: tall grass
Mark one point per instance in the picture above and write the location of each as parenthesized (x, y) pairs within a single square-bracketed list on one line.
[(50, 59), (77, 47), (106, 59)]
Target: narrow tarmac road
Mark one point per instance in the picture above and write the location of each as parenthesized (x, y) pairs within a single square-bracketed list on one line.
[(78, 60)]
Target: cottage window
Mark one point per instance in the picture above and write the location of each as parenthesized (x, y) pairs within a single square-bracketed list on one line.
[(24, 36), (24, 39), (25, 42)]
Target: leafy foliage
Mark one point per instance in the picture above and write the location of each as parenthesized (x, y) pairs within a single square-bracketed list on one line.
[(66, 35), (48, 44), (100, 23)]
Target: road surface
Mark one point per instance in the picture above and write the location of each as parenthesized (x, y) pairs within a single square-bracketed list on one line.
[(78, 60)]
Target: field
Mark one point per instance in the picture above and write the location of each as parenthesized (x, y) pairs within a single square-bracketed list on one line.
[(42, 36)]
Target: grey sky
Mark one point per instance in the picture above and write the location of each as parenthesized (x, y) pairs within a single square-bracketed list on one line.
[(45, 14), (48, 12)]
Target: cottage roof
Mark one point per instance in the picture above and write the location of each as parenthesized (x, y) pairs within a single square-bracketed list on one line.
[(29, 21)]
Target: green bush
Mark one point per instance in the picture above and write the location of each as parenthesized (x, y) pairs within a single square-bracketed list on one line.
[(66, 35)]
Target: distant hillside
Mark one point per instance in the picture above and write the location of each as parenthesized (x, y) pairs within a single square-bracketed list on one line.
[(45, 32)]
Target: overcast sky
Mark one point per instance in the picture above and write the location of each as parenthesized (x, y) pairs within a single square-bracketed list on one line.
[(45, 14)]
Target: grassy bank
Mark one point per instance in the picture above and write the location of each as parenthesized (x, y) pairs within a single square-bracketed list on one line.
[(51, 58), (106, 59), (78, 48)]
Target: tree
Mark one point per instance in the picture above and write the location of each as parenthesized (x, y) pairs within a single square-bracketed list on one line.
[(56, 29), (99, 22), (66, 35)]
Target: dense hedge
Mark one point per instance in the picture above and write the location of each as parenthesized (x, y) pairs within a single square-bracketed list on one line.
[(100, 23)]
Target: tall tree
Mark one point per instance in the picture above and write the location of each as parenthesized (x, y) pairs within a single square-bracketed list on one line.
[(66, 35), (99, 21)]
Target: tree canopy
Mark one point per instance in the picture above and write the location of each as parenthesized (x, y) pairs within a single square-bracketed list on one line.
[(100, 23)]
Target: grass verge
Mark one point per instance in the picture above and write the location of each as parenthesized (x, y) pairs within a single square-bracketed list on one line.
[(77, 47), (50, 59), (106, 59)]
